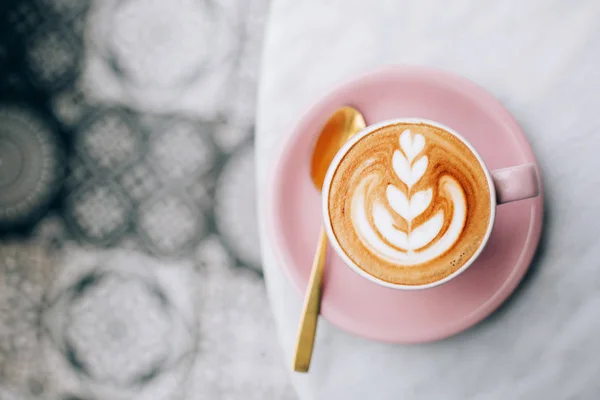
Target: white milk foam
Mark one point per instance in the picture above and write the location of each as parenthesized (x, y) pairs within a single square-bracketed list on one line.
[(385, 239)]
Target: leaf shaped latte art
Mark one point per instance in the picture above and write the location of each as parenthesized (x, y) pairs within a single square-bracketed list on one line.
[(376, 227), (409, 174), (408, 209), (411, 144)]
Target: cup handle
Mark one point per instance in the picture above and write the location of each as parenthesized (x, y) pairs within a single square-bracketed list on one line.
[(516, 183)]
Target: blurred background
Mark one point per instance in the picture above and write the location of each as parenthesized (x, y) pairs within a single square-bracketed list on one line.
[(129, 257)]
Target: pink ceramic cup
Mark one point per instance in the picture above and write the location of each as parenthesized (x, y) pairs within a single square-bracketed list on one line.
[(509, 184)]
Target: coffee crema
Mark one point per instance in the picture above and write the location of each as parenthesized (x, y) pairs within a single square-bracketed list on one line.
[(409, 203)]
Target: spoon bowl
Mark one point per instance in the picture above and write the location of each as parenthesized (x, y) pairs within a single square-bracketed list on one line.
[(343, 124)]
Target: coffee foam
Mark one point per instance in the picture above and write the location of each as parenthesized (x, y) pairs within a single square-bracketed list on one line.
[(410, 203)]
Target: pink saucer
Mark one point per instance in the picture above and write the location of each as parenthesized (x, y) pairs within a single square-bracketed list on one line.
[(354, 303)]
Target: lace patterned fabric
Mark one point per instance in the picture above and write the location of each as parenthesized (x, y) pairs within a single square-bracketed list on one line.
[(133, 273)]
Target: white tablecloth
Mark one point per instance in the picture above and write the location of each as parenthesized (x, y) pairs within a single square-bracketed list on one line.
[(541, 59)]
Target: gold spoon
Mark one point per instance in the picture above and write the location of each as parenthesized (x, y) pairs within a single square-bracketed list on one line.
[(343, 124)]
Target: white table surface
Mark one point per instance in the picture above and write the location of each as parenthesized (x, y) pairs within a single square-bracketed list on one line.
[(541, 58)]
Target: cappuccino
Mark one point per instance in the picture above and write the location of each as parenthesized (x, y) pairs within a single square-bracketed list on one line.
[(410, 203)]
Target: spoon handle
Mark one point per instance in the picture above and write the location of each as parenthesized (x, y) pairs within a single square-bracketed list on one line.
[(310, 312)]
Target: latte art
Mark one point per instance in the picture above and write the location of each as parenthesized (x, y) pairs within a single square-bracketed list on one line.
[(407, 247), (409, 204)]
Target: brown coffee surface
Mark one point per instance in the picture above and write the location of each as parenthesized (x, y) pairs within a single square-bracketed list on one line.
[(410, 204)]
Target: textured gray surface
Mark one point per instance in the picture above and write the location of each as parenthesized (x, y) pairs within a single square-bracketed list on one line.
[(142, 279), (540, 58)]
